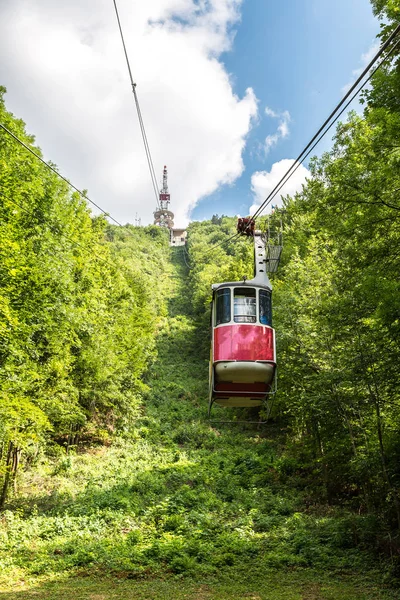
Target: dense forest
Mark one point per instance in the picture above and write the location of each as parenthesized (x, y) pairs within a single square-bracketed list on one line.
[(80, 301), (107, 460)]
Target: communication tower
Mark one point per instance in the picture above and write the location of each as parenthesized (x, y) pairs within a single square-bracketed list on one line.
[(163, 217)]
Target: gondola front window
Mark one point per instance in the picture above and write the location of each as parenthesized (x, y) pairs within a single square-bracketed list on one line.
[(223, 310), (265, 308), (245, 305)]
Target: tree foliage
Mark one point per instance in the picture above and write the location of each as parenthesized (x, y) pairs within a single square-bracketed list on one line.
[(79, 303)]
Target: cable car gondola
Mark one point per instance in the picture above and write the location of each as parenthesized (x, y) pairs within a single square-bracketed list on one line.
[(243, 357)]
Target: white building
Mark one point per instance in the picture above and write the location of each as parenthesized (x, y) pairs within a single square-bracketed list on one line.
[(178, 237)]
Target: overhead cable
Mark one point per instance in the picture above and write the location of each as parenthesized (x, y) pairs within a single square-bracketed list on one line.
[(286, 177), (54, 227), (235, 235), (49, 166), (334, 115), (139, 112), (343, 105)]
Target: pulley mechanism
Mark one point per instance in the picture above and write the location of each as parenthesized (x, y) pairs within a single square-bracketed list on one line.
[(246, 226), (265, 247)]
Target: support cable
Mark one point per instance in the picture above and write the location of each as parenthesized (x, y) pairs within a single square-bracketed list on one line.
[(139, 112), (49, 166), (286, 177), (235, 235), (343, 105), (322, 131), (186, 254), (54, 228), (147, 148)]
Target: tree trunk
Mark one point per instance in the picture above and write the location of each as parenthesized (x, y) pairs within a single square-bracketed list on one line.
[(383, 456), (325, 471), (12, 463), (7, 475), (15, 465)]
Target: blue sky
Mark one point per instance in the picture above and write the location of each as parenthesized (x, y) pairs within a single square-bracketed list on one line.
[(297, 56)]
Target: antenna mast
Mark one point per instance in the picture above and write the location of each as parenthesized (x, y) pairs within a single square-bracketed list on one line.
[(163, 217)]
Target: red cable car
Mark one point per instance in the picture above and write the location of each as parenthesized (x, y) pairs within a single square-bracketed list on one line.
[(243, 357)]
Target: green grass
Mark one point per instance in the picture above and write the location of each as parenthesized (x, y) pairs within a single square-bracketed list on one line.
[(271, 586), (177, 508)]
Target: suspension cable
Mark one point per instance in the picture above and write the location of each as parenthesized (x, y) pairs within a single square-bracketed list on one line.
[(49, 166), (54, 228), (139, 112), (343, 105), (215, 246), (286, 177), (147, 147), (321, 133)]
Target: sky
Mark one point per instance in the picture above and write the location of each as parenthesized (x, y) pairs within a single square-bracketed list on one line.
[(230, 92)]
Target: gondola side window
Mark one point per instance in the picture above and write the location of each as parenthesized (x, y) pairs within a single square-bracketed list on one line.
[(223, 310), (244, 305), (265, 308)]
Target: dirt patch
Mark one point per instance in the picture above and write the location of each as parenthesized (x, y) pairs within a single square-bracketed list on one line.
[(312, 592), (202, 593)]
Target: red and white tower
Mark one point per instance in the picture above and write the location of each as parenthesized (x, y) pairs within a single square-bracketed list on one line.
[(163, 217)]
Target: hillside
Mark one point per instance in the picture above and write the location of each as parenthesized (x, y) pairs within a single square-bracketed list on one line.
[(177, 508)]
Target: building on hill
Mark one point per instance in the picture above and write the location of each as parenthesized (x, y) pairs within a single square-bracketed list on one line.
[(178, 237)]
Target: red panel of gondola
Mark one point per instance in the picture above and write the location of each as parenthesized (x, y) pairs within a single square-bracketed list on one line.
[(244, 342)]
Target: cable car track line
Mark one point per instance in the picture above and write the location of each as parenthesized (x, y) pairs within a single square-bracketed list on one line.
[(321, 133), (48, 165), (235, 235), (147, 149), (139, 112), (287, 175)]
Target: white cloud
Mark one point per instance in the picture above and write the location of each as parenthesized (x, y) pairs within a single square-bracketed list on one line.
[(282, 129), (271, 113), (263, 182), (365, 60), (64, 68)]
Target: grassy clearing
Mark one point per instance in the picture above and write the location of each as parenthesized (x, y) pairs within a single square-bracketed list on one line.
[(179, 509), (272, 586)]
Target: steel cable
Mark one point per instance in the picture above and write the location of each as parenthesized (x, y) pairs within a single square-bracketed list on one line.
[(139, 112), (322, 131), (49, 166)]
